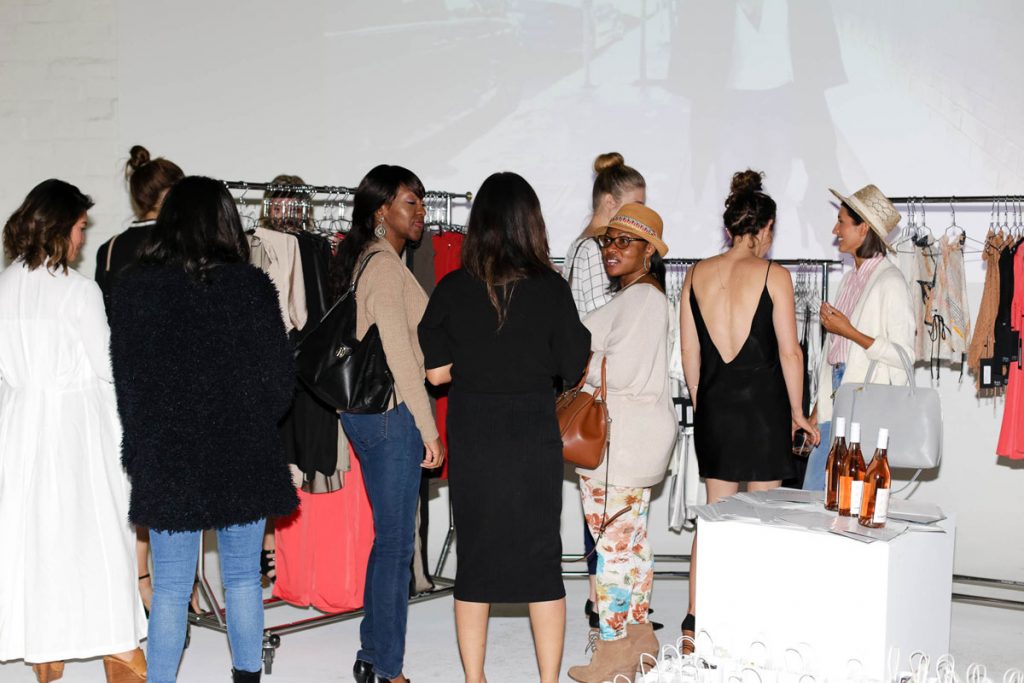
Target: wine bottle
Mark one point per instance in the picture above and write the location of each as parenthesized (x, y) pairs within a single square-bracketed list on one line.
[(835, 459), (851, 475), (874, 508)]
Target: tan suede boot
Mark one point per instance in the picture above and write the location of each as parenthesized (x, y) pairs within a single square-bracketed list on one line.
[(644, 640), (48, 671), (611, 657)]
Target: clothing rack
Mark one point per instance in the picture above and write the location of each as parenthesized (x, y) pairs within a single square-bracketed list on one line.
[(440, 203), (953, 199)]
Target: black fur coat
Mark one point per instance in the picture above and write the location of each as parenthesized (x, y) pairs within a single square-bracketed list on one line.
[(203, 373)]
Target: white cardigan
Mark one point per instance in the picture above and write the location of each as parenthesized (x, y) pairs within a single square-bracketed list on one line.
[(631, 331), (883, 312)]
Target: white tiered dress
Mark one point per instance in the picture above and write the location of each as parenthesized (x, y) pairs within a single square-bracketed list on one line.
[(68, 587)]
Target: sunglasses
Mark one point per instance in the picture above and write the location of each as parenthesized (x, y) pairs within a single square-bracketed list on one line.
[(620, 242)]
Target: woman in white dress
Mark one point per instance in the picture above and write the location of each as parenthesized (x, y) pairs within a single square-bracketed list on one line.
[(67, 579)]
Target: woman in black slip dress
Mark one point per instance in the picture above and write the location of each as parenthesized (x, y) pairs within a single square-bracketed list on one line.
[(741, 358)]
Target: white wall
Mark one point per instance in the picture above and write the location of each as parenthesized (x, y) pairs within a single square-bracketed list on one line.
[(919, 97)]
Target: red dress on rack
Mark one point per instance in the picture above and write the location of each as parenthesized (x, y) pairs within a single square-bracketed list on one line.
[(324, 546), (447, 257), (1011, 435)]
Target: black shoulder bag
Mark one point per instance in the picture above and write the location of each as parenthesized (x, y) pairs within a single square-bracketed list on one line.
[(349, 375)]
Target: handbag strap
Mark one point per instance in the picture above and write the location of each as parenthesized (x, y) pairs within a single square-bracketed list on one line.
[(362, 267), (602, 390), (908, 367)]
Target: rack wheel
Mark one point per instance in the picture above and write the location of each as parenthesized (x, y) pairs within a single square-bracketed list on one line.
[(270, 645)]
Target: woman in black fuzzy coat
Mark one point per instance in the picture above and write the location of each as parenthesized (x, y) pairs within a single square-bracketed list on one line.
[(203, 372)]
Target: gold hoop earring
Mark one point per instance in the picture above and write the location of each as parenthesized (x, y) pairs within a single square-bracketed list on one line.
[(647, 263), (380, 231)]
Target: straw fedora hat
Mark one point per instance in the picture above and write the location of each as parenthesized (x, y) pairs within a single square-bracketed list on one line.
[(875, 208), (641, 221)]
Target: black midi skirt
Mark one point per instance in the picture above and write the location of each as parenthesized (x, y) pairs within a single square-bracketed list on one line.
[(505, 476)]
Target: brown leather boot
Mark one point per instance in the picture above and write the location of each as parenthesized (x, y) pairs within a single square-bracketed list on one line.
[(611, 657), (120, 671), (644, 640), (48, 671)]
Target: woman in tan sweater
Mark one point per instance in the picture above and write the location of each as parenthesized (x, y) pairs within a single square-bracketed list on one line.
[(387, 213)]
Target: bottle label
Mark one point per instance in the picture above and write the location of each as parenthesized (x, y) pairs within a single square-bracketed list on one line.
[(856, 489), (881, 506)]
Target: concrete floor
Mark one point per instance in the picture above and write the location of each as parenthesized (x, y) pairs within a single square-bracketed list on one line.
[(988, 635)]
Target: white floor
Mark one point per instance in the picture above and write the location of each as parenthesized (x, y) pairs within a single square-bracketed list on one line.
[(989, 635)]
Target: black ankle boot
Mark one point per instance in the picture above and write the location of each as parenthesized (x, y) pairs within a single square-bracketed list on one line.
[(245, 676), (362, 671)]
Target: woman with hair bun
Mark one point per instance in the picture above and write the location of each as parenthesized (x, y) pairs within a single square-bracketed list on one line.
[(615, 185), (741, 358), (148, 182)]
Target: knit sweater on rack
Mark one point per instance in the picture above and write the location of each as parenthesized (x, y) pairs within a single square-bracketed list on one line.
[(203, 373), (389, 296)]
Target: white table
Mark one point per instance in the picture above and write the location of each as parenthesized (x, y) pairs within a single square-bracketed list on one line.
[(846, 599)]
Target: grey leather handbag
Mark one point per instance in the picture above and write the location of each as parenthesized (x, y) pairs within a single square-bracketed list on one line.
[(912, 415)]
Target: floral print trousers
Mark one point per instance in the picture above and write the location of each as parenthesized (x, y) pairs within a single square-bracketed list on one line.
[(625, 563)]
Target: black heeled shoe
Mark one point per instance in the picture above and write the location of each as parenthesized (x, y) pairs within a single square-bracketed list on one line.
[(592, 619), (656, 625), (688, 627), (245, 676)]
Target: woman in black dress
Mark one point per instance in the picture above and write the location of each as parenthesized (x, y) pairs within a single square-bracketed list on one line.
[(501, 329), (743, 364)]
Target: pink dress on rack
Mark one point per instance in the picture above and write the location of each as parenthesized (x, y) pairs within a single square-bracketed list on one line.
[(324, 546), (1011, 435)]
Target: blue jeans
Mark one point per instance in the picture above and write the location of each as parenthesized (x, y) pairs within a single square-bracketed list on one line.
[(814, 477), (175, 555), (390, 451)]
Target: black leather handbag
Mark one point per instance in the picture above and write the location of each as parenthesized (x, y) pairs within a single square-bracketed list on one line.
[(349, 375)]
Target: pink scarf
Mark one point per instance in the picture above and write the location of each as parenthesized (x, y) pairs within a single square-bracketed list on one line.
[(849, 295)]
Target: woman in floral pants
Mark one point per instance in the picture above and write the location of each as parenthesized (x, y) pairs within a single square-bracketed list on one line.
[(629, 335)]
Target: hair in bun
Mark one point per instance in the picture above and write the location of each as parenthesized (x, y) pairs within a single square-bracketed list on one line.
[(608, 160), (149, 179), (137, 158), (745, 182), (747, 208), (614, 177)]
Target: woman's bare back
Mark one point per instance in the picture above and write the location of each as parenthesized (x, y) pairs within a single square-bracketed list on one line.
[(728, 290)]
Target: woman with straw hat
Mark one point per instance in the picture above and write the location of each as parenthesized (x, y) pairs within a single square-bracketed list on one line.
[(630, 335), (872, 316)]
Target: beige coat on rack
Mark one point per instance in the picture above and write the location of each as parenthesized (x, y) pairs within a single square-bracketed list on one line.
[(883, 312)]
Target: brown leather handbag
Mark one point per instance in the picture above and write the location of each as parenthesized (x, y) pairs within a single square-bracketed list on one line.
[(584, 422)]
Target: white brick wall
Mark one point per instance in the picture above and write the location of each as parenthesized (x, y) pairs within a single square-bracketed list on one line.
[(58, 106)]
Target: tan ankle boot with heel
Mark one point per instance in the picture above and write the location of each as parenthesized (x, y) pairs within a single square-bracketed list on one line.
[(48, 671), (121, 671)]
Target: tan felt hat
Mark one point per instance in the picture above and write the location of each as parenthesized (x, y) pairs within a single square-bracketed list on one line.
[(875, 208), (641, 221)]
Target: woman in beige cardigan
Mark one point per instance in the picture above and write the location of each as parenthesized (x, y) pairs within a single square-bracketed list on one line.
[(872, 316), (630, 333)]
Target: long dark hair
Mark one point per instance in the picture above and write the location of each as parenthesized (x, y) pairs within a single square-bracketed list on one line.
[(506, 239), (39, 231), (198, 228), (377, 188)]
